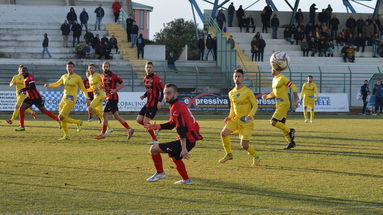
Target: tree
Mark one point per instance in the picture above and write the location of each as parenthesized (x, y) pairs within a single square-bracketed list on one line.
[(176, 34)]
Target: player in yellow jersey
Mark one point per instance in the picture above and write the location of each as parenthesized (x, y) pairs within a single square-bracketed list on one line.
[(279, 61), (71, 82), (240, 120), (309, 89), (18, 80)]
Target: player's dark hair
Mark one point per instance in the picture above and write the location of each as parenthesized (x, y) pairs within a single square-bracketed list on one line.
[(310, 76), (149, 63), (175, 88), (238, 70), (92, 65), (70, 63), (365, 80)]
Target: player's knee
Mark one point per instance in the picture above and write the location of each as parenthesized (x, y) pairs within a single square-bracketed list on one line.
[(154, 149), (244, 145), (61, 117)]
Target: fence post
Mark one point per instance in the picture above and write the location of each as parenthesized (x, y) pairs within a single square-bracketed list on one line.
[(320, 79), (132, 76), (197, 81), (350, 86), (344, 82)]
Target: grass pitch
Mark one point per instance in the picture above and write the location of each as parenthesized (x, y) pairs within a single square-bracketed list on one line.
[(336, 168)]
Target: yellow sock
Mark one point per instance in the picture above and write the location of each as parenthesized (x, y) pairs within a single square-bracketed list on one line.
[(251, 151), (71, 121), (287, 138), (226, 144), (305, 114), (312, 115), (283, 127), (29, 111), (15, 114), (97, 113), (65, 128)]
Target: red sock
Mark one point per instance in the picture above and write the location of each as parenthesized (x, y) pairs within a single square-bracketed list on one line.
[(125, 124), (157, 160), (180, 166), (21, 118), (51, 115), (104, 127), (151, 132)]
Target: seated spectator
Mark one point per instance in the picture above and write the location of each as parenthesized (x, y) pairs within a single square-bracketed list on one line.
[(330, 50), (348, 53), (287, 35), (313, 46), (322, 48), (171, 61), (88, 50), (104, 39), (299, 35), (340, 39), (231, 42), (80, 50), (360, 41), (96, 42), (113, 43), (305, 48), (88, 37)]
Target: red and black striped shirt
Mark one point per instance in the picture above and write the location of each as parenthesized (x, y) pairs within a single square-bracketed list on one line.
[(109, 81), (154, 90), (30, 87)]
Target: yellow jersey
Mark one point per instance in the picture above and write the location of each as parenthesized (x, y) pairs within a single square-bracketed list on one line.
[(71, 84), (280, 87), (94, 82), (17, 80), (243, 103), (308, 91)]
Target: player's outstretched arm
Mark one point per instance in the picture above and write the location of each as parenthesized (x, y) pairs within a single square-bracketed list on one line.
[(56, 84), (268, 96)]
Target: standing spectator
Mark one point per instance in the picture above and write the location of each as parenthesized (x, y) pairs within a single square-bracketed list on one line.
[(364, 91), (328, 13), (230, 14), (305, 48), (113, 43), (76, 29), (360, 41), (268, 12), (221, 19), (254, 49), (88, 37), (274, 26), (129, 25), (201, 47), (231, 42), (209, 46), (140, 42), (65, 30), (99, 15), (350, 24), (215, 47), (116, 6), (375, 44), (378, 93), (322, 17), (134, 34), (71, 16), (261, 44), (245, 23), (84, 17), (240, 13), (172, 61), (45, 46), (334, 24), (265, 25), (312, 13), (359, 25), (368, 32), (299, 16)]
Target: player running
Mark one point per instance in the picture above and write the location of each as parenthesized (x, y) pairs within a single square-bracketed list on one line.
[(243, 107), (154, 94), (33, 98), (90, 93), (307, 96), (111, 83), (18, 80), (188, 133), (71, 82), (279, 61)]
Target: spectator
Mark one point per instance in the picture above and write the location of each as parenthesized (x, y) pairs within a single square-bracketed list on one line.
[(341, 39), (274, 26), (140, 43), (171, 61), (298, 16), (261, 44), (76, 29), (104, 50), (330, 50), (215, 47), (201, 47), (328, 13), (313, 46), (350, 24), (88, 49), (322, 17), (364, 91), (350, 39), (80, 50), (99, 15), (322, 48), (45, 46), (299, 36), (240, 13), (378, 93), (348, 53), (84, 17), (265, 23), (104, 39), (254, 49), (96, 42), (231, 42), (245, 23), (312, 13), (129, 25), (305, 48), (221, 19), (65, 30), (113, 43), (375, 44), (359, 25), (209, 46), (368, 32), (360, 41), (268, 13), (71, 16), (334, 24), (134, 34), (287, 35), (116, 6), (88, 37), (230, 14)]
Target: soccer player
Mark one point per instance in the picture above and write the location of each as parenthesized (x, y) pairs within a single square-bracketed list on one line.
[(307, 96), (90, 93), (111, 83), (33, 98), (71, 82), (18, 80), (243, 107), (188, 133), (154, 94), (280, 86)]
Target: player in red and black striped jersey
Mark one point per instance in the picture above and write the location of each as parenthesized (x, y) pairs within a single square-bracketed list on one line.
[(33, 98), (188, 133), (111, 83), (154, 94)]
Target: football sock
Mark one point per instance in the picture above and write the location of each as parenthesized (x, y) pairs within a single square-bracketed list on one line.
[(125, 124), (305, 114), (285, 130), (51, 115), (15, 113), (151, 132), (226, 142), (71, 121), (65, 127), (312, 115), (21, 118), (251, 151), (104, 128), (29, 111), (180, 166), (157, 160)]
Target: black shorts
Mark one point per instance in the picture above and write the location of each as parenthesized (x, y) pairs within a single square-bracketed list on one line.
[(37, 102), (174, 148), (111, 106), (149, 112)]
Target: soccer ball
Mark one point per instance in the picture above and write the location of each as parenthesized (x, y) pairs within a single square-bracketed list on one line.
[(279, 61)]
